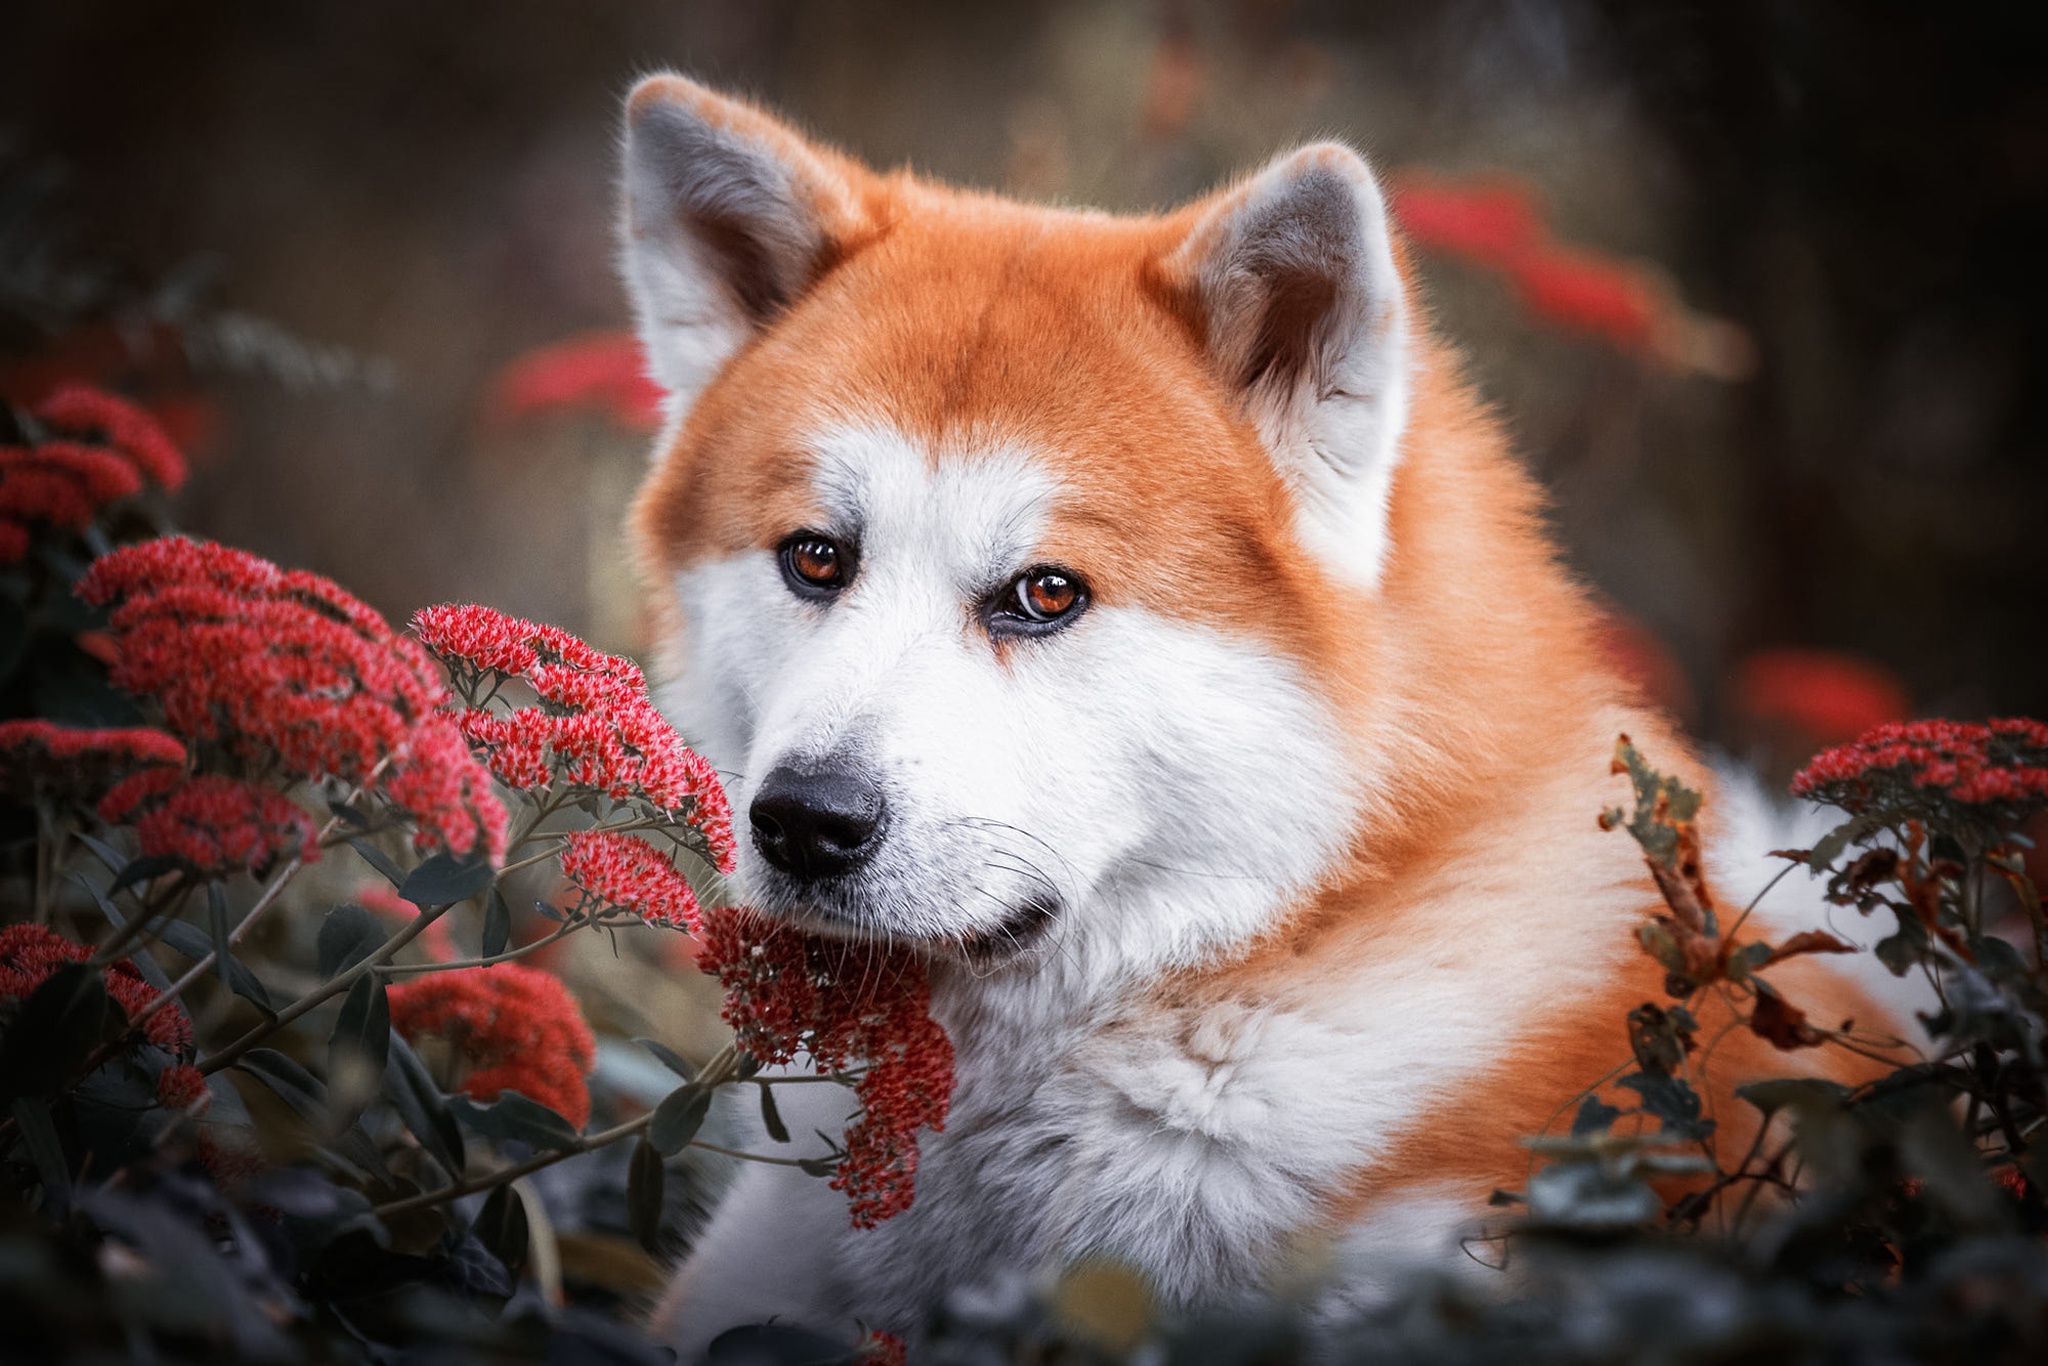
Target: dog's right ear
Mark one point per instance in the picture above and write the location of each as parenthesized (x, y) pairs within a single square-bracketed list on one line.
[(729, 217)]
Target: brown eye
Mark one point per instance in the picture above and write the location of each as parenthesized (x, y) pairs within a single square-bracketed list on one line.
[(1043, 597), (815, 564)]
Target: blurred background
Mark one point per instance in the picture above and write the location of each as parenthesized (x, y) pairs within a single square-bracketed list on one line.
[(1757, 286)]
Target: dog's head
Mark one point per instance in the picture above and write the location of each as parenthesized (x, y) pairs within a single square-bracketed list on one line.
[(995, 546)]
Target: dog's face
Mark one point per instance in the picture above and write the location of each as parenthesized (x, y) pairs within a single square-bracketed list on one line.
[(995, 547)]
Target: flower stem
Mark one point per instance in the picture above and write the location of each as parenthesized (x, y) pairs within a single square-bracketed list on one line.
[(335, 986), (271, 891), (722, 1068), (394, 969)]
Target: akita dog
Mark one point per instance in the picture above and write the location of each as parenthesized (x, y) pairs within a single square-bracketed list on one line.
[(1142, 616)]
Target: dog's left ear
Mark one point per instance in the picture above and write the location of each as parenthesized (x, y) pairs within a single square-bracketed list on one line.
[(730, 216), (1291, 275)]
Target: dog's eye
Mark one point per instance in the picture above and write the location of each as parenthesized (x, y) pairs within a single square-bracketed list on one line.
[(814, 564), (1040, 598)]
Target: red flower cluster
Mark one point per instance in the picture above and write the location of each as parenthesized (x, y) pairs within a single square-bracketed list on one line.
[(1904, 766), (30, 953), (883, 1349), (1826, 697), (218, 826), (605, 371), (87, 414), (287, 666), (182, 1087), (72, 763), (514, 1029), (1498, 223), (594, 728), (842, 1004), (618, 870), (106, 449)]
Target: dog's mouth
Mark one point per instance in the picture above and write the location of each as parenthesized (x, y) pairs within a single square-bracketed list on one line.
[(1015, 934)]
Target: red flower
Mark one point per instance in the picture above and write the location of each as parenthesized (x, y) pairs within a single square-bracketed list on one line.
[(883, 1349), (1826, 698), (842, 1004), (1913, 769), (61, 484), (513, 1028), (1495, 222), (42, 758), (605, 371), (1498, 223), (182, 1086), (286, 666), (218, 826), (88, 414), (30, 953), (618, 870), (595, 728), (1588, 293)]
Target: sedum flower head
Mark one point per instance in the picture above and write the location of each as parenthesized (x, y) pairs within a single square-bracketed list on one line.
[(512, 1028)]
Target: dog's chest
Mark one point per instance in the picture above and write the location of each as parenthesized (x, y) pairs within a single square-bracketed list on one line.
[(1185, 1147)]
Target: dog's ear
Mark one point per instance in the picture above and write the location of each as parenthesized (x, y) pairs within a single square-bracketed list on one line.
[(729, 217), (1292, 279)]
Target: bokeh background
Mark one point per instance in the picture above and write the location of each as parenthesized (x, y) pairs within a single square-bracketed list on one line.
[(1758, 286)]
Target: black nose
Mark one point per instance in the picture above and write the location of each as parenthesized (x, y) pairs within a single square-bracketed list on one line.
[(816, 823)]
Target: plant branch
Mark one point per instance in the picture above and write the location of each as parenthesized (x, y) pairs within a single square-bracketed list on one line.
[(394, 969), (335, 986)]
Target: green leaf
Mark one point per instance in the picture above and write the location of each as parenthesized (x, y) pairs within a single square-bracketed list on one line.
[(668, 1058), (361, 1029), (143, 869), (347, 814), (39, 1132), (1584, 1195), (141, 961), (443, 881), (771, 1118), (1595, 1117), (1747, 959), (421, 1105), (60, 1023), (645, 1177), (1673, 1101), (293, 1084), (194, 944), (497, 924), (1831, 846), (348, 935), (678, 1118), (1798, 1092), (377, 859), (1901, 951), (501, 1227), (515, 1117), (106, 853)]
